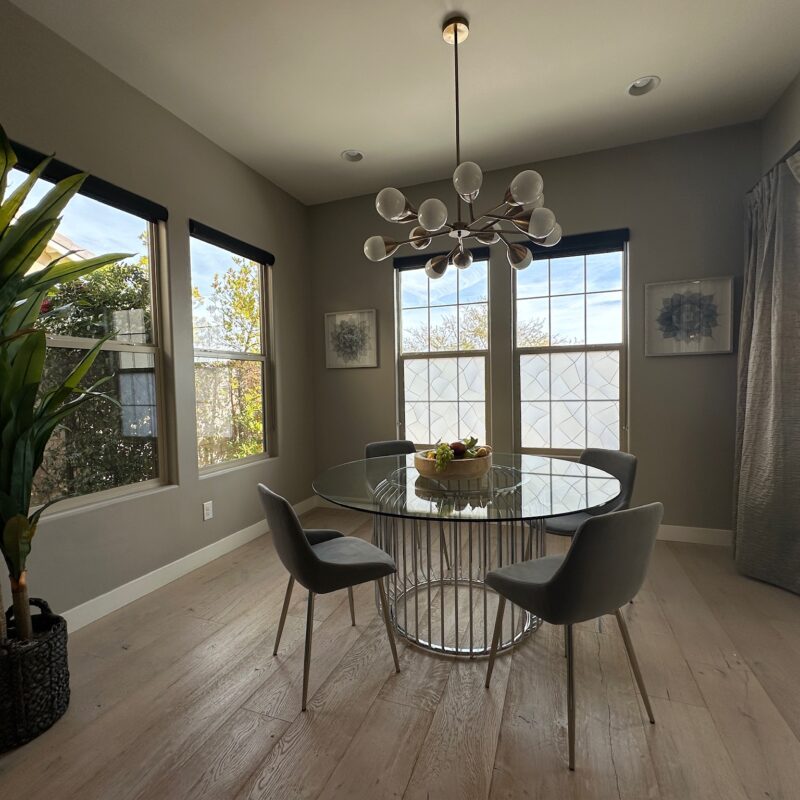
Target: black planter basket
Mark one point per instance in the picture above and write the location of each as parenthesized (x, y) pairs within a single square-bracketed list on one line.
[(34, 678)]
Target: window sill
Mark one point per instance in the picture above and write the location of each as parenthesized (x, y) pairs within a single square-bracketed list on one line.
[(110, 497), (234, 466)]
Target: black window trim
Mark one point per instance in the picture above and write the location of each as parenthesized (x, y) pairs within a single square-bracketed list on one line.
[(212, 236)]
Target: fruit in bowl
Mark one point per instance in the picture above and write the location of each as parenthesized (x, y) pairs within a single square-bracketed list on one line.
[(461, 459)]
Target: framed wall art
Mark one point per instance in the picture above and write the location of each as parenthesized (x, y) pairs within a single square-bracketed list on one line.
[(692, 317), (351, 339)]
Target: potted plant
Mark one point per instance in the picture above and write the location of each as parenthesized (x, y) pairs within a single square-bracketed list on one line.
[(34, 677)]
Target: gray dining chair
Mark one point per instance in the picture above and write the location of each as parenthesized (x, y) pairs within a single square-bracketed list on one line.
[(603, 569), (323, 561), (622, 466)]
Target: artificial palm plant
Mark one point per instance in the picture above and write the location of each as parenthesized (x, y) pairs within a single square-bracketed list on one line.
[(28, 414)]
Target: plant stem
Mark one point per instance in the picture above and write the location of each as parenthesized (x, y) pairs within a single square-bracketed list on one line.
[(3, 630), (22, 609)]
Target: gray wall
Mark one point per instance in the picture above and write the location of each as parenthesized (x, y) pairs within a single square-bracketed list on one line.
[(780, 128), (681, 199), (54, 98)]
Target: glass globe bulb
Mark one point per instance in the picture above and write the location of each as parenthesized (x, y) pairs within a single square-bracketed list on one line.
[(376, 248), (391, 204), (553, 238), (436, 267), (543, 220), (488, 237), (467, 180), (432, 214), (462, 259), (519, 256), (419, 238), (525, 188), (537, 203)]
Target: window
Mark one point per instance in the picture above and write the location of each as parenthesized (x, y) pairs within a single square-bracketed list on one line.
[(570, 350), (229, 294), (102, 445), (443, 328)]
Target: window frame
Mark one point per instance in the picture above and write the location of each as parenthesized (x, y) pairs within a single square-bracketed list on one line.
[(580, 245), (265, 356), (413, 262)]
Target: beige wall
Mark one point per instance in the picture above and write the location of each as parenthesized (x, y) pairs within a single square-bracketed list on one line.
[(55, 98), (681, 199), (780, 129)]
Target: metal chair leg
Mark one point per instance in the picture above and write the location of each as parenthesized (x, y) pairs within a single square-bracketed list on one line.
[(352, 605), (498, 627), (286, 600), (570, 695), (637, 673), (566, 650), (388, 624), (307, 654)]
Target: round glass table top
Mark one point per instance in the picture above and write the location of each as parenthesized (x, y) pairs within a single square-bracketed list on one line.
[(518, 487)]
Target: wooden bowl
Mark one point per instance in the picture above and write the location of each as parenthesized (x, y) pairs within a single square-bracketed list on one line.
[(457, 469)]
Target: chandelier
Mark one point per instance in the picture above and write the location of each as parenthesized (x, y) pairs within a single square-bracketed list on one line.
[(522, 210)]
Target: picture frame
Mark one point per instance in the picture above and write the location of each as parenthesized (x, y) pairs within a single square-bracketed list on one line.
[(351, 339), (689, 317)]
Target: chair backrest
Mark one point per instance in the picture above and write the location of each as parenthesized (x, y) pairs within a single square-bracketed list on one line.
[(391, 447), (290, 541), (621, 465), (605, 566)]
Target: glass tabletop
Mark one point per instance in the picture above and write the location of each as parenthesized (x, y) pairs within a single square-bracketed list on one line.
[(518, 487)]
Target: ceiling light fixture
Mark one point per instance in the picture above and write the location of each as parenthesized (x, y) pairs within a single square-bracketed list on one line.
[(644, 85), (522, 207), (352, 156)]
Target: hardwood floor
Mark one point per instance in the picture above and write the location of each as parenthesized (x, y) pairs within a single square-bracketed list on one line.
[(178, 696)]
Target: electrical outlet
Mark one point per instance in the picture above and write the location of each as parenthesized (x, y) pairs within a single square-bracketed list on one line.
[(208, 510)]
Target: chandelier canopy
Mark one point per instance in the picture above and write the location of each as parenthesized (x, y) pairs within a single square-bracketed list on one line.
[(522, 208)]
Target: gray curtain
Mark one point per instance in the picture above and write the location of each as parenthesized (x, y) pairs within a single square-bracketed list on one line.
[(767, 477)]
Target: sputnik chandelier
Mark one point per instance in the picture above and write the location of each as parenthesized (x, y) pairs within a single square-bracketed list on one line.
[(522, 207)]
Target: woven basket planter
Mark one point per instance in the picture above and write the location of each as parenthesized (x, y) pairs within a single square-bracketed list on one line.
[(34, 678)]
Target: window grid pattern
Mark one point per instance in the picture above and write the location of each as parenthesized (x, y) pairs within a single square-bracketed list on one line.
[(569, 365)]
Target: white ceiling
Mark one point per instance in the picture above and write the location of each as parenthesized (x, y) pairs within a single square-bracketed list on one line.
[(286, 86)]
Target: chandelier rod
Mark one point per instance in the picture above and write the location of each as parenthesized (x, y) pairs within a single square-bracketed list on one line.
[(458, 114)]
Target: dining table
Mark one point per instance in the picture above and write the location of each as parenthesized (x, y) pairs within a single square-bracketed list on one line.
[(446, 535)]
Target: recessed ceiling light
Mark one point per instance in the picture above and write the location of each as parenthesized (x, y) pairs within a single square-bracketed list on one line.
[(644, 85), (352, 155)]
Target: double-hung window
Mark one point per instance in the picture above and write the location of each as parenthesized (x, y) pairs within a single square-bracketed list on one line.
[(230, 300), (570, 346), (103, 445), (443, 334)]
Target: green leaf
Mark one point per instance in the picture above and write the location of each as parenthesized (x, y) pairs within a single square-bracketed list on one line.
[(15, 200), (20, 248), (54, 202), (8, 160), (69, 270), (17, 535)]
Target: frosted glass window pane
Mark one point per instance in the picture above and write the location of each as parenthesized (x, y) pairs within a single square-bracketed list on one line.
[(444, 328), (473, 324), (534, 377), (444, 378), (604, 318), (569, 424), (566, 275), (472, 421), (444, 290), (566, 323), (414, 325), (417, 423), (473, 283), (415, 379), (568, 373), (444, 421), (533, 318), (413, 288), (603, 424), (533, 281), (603, 272), (602, 375), (472, 378), (535, 425)]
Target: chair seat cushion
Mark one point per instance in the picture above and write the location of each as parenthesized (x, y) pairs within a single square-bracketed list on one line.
[(567, 524), (525, 583), (320, 535), (348, 561)]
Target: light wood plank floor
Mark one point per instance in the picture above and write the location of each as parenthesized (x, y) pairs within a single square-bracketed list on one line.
[(178, 696)]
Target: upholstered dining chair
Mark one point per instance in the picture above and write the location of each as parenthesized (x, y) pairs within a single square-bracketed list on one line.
[(323, 561), (603, 569), (622, 466)]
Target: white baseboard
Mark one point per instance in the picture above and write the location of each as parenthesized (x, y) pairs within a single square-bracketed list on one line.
[(683, 533), (98, 607)]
